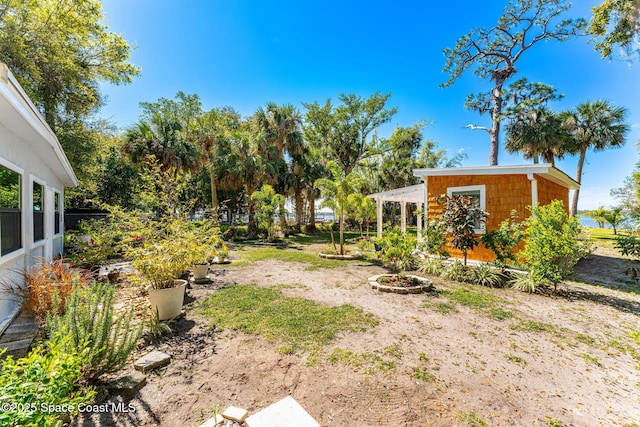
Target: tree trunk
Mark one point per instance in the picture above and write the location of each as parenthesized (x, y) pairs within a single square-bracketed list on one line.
[(311, 227), (341, 231), (283, 217), (214, 195), (299, 206), (496, 111), (576, 194), (252, 227)]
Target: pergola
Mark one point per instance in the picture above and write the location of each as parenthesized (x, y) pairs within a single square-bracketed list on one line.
[(412, 194)]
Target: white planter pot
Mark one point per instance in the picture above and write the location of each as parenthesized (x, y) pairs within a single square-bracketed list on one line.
[(200, 271), (168, 301)]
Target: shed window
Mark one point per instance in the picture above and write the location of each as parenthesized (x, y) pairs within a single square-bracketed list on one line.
[(478, 193), (10, 213), (56, 214), (38, 212)]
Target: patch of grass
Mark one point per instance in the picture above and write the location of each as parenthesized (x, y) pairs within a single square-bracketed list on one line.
[(296, 322), (532, 326), (516, 359), (554, 422), (370, 362), (445, 307), (394, 350), (500, 314), (473, 298), (586, 339), (423, 374), (472, 419), (591, 359), (286, 255)]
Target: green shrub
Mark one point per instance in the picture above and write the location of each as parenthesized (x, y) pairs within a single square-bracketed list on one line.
[(504, 240), (435, 239), (47, 376), (456, 271), (88, 317), (486, 276), (551, 246), (432, 266), (525, 282), (398, 250), (461, 216)]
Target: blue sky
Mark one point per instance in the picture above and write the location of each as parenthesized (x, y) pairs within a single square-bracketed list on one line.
[(245, 53)]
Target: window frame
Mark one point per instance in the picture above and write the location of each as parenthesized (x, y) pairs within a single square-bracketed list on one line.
[(57, 212), (42, 212), (482, 189), (20, 250)]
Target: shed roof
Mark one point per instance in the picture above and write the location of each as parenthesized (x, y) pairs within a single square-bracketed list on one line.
[(23, 118), (411, 194), (544, 169)]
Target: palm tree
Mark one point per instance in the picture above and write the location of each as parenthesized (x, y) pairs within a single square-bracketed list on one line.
[(598, 216), (247, 167), (536, 133), (159, 143), (213, 133), (597, 125), (336, 193), (281, 126)]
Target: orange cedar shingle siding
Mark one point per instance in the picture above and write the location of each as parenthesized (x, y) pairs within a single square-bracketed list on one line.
[(504, 193)]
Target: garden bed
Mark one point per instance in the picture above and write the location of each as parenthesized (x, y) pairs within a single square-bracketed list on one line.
[(400, 283)]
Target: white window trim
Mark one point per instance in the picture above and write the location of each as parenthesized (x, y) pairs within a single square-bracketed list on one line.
[(483, 201), (33, 179), (60, 211), (11, 256)]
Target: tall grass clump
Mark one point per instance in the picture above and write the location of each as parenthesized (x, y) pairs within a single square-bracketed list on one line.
[(89, 321)]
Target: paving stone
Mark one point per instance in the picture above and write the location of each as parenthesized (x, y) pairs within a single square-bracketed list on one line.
[(285, 413), (213, 422), (152, 360), (235, 414), (128, 384)]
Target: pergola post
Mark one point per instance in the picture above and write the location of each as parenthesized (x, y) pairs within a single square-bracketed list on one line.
[(379, 204), (403, 214), (419, 221)]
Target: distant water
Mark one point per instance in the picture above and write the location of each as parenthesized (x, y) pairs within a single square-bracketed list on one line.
[(587, 221)]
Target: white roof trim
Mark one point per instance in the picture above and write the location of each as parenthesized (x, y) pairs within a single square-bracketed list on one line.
[(544, 169), (411, 194), (13, 93)]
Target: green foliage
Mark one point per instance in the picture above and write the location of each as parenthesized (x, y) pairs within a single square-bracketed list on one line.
[(297, 323), (341, 131), (629, 245), (435, 239), (614, 218), (615, 23), (49, 376), (89, 321), (598, 215), (504, 240), (9, 189), (524, 282), (268, 205), (484, 275), (460, 216), (398, 250), (336, 193), (551, 246), (432, 266), (456, 271)]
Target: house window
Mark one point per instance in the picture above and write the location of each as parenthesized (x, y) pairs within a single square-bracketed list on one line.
[(478, 193), (56, 215), (10, 213), (38, 212)]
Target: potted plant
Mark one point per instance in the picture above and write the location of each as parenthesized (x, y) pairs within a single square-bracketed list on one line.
[(160, 264)]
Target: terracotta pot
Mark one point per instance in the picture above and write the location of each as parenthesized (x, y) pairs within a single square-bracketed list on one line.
[(168, 301)]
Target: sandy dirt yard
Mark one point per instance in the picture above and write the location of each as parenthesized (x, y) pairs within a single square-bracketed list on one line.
[(525, 360)]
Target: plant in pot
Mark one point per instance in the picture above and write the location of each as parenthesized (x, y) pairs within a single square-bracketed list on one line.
[(159, 265)]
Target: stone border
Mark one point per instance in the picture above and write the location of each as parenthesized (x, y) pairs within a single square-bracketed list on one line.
[(427, 285), (356, 255)]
